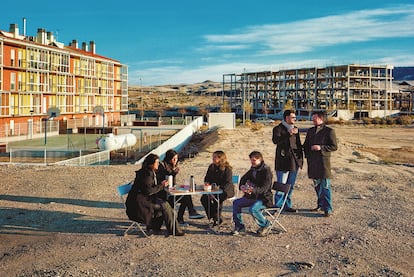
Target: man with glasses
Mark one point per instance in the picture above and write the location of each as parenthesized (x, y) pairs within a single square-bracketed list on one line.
[(289, 156)]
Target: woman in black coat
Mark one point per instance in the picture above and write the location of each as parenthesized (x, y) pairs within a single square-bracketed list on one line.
[(220, 173), (169, 166), (144, 202)]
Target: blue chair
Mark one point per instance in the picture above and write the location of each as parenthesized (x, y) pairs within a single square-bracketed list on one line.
[(123, 190), (235, 181)]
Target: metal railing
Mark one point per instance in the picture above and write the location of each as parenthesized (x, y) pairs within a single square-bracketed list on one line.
[(58, 156), (27, 130)]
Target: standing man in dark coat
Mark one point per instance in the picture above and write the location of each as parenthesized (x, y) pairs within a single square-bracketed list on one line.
[(289, 156), (320, 141)]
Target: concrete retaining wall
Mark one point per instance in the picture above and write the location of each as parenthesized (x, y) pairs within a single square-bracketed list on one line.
[(178, 141)]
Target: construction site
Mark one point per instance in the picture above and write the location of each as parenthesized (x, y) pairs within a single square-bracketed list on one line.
[(344, 91)]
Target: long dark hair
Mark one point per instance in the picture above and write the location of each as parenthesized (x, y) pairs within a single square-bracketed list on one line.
[(150, 160), (169, 155)]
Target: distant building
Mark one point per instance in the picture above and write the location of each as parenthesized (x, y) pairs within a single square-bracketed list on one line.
[(38, 73), (345, 91)]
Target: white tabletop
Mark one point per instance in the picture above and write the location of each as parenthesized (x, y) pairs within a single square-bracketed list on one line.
[(178, 192)]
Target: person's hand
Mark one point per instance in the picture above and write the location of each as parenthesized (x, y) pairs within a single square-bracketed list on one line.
[(246, 189), (293, 131), (316, 147), (165, 183)]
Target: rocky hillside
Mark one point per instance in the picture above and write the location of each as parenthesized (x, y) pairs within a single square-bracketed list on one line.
[(159, 98)]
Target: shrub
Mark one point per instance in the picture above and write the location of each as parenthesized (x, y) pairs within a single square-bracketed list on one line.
[(367, 120), (390, 120), (376, 120), (256, 126), (404, 120)]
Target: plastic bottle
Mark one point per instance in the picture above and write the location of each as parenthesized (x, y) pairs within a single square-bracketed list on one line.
[(170, 181)]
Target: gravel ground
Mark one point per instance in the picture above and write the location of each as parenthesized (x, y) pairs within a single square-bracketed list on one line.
[(69, 221)]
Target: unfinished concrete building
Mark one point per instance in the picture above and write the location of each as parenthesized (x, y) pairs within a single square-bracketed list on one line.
[(345, 91)]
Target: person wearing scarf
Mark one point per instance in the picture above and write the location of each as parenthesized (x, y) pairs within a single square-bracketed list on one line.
[(288, 158)]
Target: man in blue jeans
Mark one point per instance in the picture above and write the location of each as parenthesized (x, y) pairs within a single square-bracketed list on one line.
[(256, 185), (320, 141), (288, 158)]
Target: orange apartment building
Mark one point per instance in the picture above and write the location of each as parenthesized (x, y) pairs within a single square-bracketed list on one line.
[(39, 74)]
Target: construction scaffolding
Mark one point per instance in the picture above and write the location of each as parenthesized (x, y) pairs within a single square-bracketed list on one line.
[(345, 91)]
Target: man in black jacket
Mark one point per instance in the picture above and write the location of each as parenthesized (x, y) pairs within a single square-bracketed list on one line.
[(256, 185), (320, 141), (289, 156)]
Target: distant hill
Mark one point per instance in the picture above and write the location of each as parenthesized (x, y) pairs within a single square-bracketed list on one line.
[(403, 73)]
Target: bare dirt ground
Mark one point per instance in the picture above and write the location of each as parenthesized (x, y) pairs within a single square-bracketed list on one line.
[(69, 221)]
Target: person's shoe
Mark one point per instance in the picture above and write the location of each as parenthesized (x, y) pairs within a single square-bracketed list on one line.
[(316, 209), (217, 222), (327, 214), (263, 231), (182, 223), (239, 232), (179, 234), (290, 210), (195, 215)]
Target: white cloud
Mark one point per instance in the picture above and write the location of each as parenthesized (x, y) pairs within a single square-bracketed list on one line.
[(293, 45), (307, 35)]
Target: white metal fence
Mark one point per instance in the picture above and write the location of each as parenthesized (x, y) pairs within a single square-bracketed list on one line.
[(99, 158), (47, 156)]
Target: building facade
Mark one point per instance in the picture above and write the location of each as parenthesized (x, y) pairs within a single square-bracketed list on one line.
[(346, 91), (39, 74)]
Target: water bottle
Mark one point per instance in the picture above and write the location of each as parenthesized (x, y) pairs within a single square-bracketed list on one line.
[(170, 181), (192, 183)]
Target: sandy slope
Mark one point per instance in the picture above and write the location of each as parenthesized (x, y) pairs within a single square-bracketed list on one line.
[(68, 221)]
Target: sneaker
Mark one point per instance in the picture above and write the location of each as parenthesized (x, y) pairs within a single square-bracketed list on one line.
[(328, 214), (239, 232), (195, 215), (182, 223), (263, 231), (290, 210)]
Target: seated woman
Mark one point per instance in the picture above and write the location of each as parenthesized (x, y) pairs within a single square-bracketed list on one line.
[(144, 200), (220, 173), (256, 185), (169, 166)]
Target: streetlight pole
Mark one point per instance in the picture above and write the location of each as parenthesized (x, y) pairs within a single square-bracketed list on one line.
[(142, 103), (244, 96), (31, 123), (84, 130)]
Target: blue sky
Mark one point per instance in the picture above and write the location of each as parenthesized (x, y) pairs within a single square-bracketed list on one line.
[(174, 42)]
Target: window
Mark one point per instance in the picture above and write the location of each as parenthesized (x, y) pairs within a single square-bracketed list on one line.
[(13, 81), (12, 57)]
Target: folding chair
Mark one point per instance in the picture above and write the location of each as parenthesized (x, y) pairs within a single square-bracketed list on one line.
[(274, 213), (122, 191), (235, 181)]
